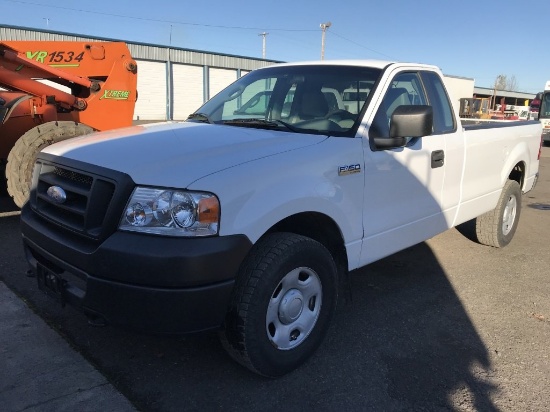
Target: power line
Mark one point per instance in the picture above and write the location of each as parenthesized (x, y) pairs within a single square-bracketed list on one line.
[(360, 45), (155, 20), (173, 22)]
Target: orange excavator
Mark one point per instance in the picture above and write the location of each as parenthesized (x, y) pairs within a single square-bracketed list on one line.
[(55, 90)]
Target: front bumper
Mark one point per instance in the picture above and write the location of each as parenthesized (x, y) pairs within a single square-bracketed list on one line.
[(148, 283)]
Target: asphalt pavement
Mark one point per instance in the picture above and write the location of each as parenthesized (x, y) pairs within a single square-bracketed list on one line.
[(40, 371), (445, 325)]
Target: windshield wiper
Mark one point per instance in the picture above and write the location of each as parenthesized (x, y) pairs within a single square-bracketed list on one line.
[(261, 123), (199, 117)]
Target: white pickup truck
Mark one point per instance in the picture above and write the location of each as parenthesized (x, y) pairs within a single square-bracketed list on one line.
[(244, 221)]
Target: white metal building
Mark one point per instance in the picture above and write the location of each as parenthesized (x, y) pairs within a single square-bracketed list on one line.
[(458, 87)]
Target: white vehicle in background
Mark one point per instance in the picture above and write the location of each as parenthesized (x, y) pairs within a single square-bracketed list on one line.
[(522, 112), (514, 112), (544, 113)]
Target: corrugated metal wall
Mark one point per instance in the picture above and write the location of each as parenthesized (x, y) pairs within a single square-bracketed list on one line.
[(21, 33), (172, 82)]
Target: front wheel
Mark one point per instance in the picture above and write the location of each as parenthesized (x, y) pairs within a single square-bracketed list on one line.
[(282, 304), (497, 227)]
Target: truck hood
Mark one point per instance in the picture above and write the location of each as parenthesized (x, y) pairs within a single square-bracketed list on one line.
[(177, 154)]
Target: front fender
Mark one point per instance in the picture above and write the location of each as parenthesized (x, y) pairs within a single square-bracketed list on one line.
[(255, 196)]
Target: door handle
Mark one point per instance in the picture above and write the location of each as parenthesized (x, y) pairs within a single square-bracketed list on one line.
[(438, 158)]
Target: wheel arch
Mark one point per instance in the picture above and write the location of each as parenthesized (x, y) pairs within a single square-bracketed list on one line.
[(515, 166), (518, 173), (320, 228)]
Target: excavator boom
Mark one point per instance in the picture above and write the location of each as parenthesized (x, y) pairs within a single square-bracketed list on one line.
[(91, 84)]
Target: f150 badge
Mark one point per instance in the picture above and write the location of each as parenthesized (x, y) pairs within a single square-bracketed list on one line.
[(348, 170)]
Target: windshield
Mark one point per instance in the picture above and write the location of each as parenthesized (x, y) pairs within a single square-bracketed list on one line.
[(319, 99), (544, 112)]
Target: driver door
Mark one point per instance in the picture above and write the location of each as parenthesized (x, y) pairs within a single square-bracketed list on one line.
[(403, 186)]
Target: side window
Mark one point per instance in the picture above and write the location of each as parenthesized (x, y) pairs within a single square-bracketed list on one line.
[(545, 106), (444, 120), (405, 89)]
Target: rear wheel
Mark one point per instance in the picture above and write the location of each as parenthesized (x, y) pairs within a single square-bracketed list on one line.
[(497, 227), (282, 304), (23, 154)]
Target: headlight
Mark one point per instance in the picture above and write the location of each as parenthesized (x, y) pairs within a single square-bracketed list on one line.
[(171, 212)]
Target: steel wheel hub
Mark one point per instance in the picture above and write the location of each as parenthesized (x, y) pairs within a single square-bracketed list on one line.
[(291, 306), (294, 308), (509, 215)]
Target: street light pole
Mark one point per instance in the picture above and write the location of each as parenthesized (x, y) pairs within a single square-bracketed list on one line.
[(324, 27), (264, 34)]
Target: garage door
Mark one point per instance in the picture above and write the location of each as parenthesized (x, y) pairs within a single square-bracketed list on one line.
[(188, 89), (151, 85), (220, 78)]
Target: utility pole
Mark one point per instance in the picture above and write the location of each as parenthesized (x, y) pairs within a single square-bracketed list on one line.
[(169, 80), (264, 34), (324, 27), (47, 22)]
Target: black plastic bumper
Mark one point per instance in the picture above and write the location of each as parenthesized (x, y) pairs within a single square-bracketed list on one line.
[(147, 283)]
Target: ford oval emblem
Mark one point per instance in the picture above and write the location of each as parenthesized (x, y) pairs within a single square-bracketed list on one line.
[(57, 194)]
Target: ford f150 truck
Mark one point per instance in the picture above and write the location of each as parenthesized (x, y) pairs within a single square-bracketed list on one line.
[(244, 220)]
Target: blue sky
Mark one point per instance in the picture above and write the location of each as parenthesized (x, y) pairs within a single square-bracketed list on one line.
[(475, 39)]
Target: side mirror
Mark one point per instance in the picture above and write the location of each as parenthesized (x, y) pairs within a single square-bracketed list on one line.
[(412, 121), (407, 121)]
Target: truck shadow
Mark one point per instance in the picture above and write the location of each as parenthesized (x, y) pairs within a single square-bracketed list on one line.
[(408, 339), (468, 230), (400, 340)]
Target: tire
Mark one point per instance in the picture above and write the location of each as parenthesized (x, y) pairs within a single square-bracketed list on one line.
[(497, 227), (282, 304), (22, 156)]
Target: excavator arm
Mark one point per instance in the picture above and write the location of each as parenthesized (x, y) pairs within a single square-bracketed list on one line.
[(89, 84)]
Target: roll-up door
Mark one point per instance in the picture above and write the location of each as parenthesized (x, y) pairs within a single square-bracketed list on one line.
[(151, 86), (220, 78), (188, 89)]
